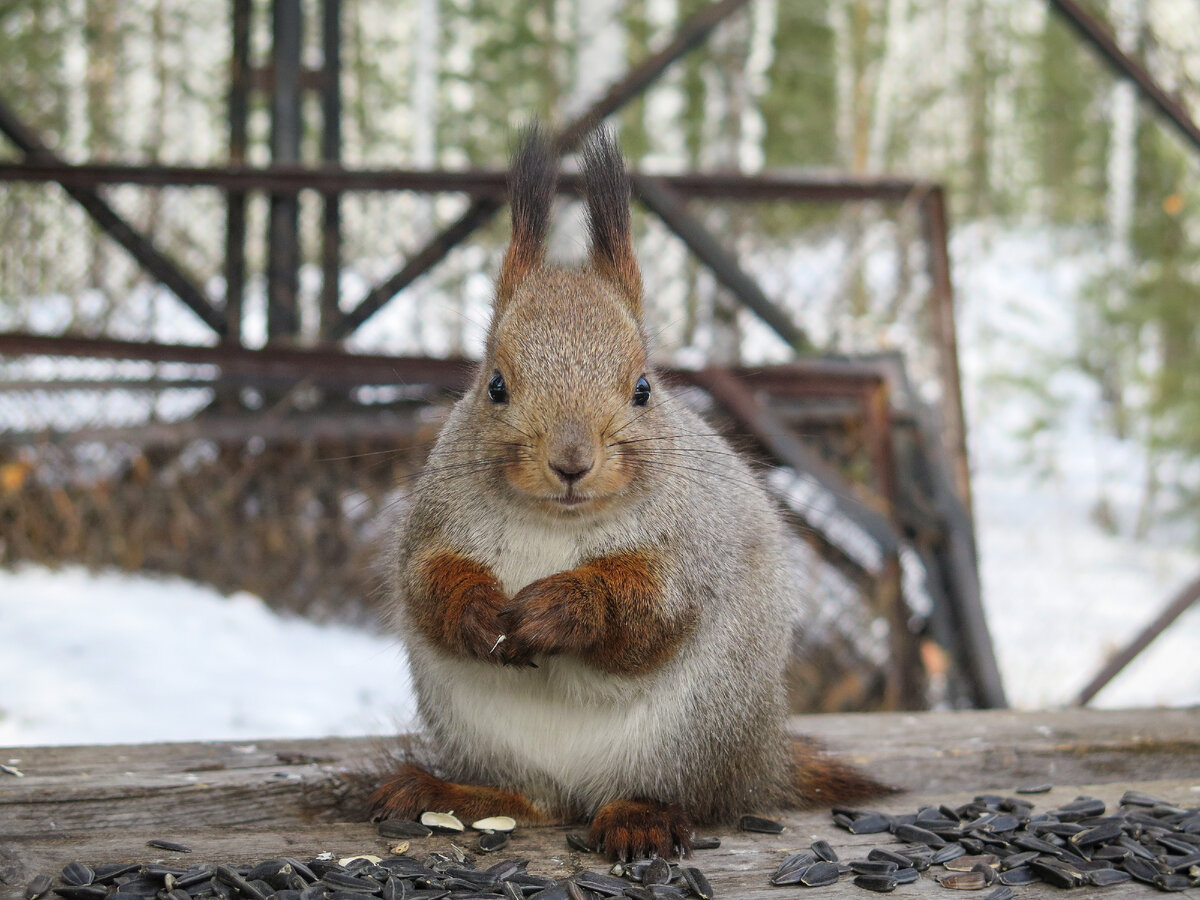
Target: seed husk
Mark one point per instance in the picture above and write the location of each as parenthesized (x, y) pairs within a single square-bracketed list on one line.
[(1035, 788), (963, 881), (760, 825), (1000, 893), (967, 863), (706, 843), (495, 823), (443, 822)]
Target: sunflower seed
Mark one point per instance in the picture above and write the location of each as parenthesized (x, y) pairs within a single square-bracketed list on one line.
[(881, 884), (579, 842), (169, 845), (492, 841), (697, 883), (706, 843), (39, 887), (760, 825), (820, 874), (495, 823), (402, 828)]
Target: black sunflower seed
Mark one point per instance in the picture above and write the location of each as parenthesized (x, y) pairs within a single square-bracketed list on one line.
[(819, 874), (881, 884), (169, 845), (697, 883), (706, 843), (760, 825), (78, 874), (38, 887)]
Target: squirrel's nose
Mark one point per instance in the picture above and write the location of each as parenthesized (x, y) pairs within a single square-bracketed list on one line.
[(571, 472)]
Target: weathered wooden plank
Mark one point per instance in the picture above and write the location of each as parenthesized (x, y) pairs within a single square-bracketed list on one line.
[(294, 782), (739, 868)]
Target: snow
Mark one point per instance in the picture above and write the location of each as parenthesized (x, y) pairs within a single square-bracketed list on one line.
[(118, 658)]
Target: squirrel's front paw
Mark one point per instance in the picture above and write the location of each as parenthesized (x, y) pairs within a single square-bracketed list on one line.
[(557, 614)]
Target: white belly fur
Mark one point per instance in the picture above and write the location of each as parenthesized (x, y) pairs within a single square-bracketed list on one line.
[(587, 733), (565, 724)]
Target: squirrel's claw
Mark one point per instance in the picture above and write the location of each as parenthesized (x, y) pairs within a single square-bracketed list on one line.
[(633, 829)]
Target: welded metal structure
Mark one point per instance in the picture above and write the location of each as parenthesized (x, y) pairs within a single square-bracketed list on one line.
[(911, 509)]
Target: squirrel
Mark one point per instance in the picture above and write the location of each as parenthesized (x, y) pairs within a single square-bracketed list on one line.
[(593, 586)]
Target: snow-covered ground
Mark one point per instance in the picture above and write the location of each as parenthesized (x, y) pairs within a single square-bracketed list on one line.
[(116, 658)]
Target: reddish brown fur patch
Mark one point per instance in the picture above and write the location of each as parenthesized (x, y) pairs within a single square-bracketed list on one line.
[(412, 791), (819, 780), (633, 829), (456, 602), (609, 610)]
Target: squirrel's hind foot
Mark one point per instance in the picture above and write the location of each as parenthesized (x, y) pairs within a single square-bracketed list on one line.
[(633, 829), (412, 791)]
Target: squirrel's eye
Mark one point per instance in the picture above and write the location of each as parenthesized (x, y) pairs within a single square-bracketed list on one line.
[(641, 392), (497, 389)]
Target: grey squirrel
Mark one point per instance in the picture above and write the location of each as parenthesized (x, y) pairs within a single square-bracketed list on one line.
[(593, 587)]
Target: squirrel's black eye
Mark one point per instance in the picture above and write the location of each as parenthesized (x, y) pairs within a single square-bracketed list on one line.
[(641, 392), (497, 389)]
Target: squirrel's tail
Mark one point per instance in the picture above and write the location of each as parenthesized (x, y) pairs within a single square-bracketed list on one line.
[(821, 780)]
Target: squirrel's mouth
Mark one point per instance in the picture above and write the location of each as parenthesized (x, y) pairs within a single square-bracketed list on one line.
[(570, 499)]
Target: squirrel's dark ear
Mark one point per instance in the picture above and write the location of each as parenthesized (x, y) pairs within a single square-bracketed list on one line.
[(607, 189), (532, 175)]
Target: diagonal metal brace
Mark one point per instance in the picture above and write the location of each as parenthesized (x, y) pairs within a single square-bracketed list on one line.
[(139, 246), (692, 33), (670, 207)]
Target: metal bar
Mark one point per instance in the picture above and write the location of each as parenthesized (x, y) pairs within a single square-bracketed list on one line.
[(933, 215), (669, 207), (778, 187), (141, 248), (779, 441), (331, 153), (1180, 604), (694, 31), (326, 364), (1101, 38), (235, 198), (283, 242), (383, 425)]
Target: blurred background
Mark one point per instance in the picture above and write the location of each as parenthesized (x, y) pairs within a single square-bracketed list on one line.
[(935, 264)]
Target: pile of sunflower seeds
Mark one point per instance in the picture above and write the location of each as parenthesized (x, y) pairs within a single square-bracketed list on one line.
[(452, 875), (996, 840)]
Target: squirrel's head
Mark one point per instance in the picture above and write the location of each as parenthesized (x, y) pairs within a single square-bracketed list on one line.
[(565, 392)]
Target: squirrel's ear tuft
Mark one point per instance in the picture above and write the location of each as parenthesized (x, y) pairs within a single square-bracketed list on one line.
[(607, 189), (532, 175)]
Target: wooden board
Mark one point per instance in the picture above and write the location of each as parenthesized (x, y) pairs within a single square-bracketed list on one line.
[(240, 802)]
